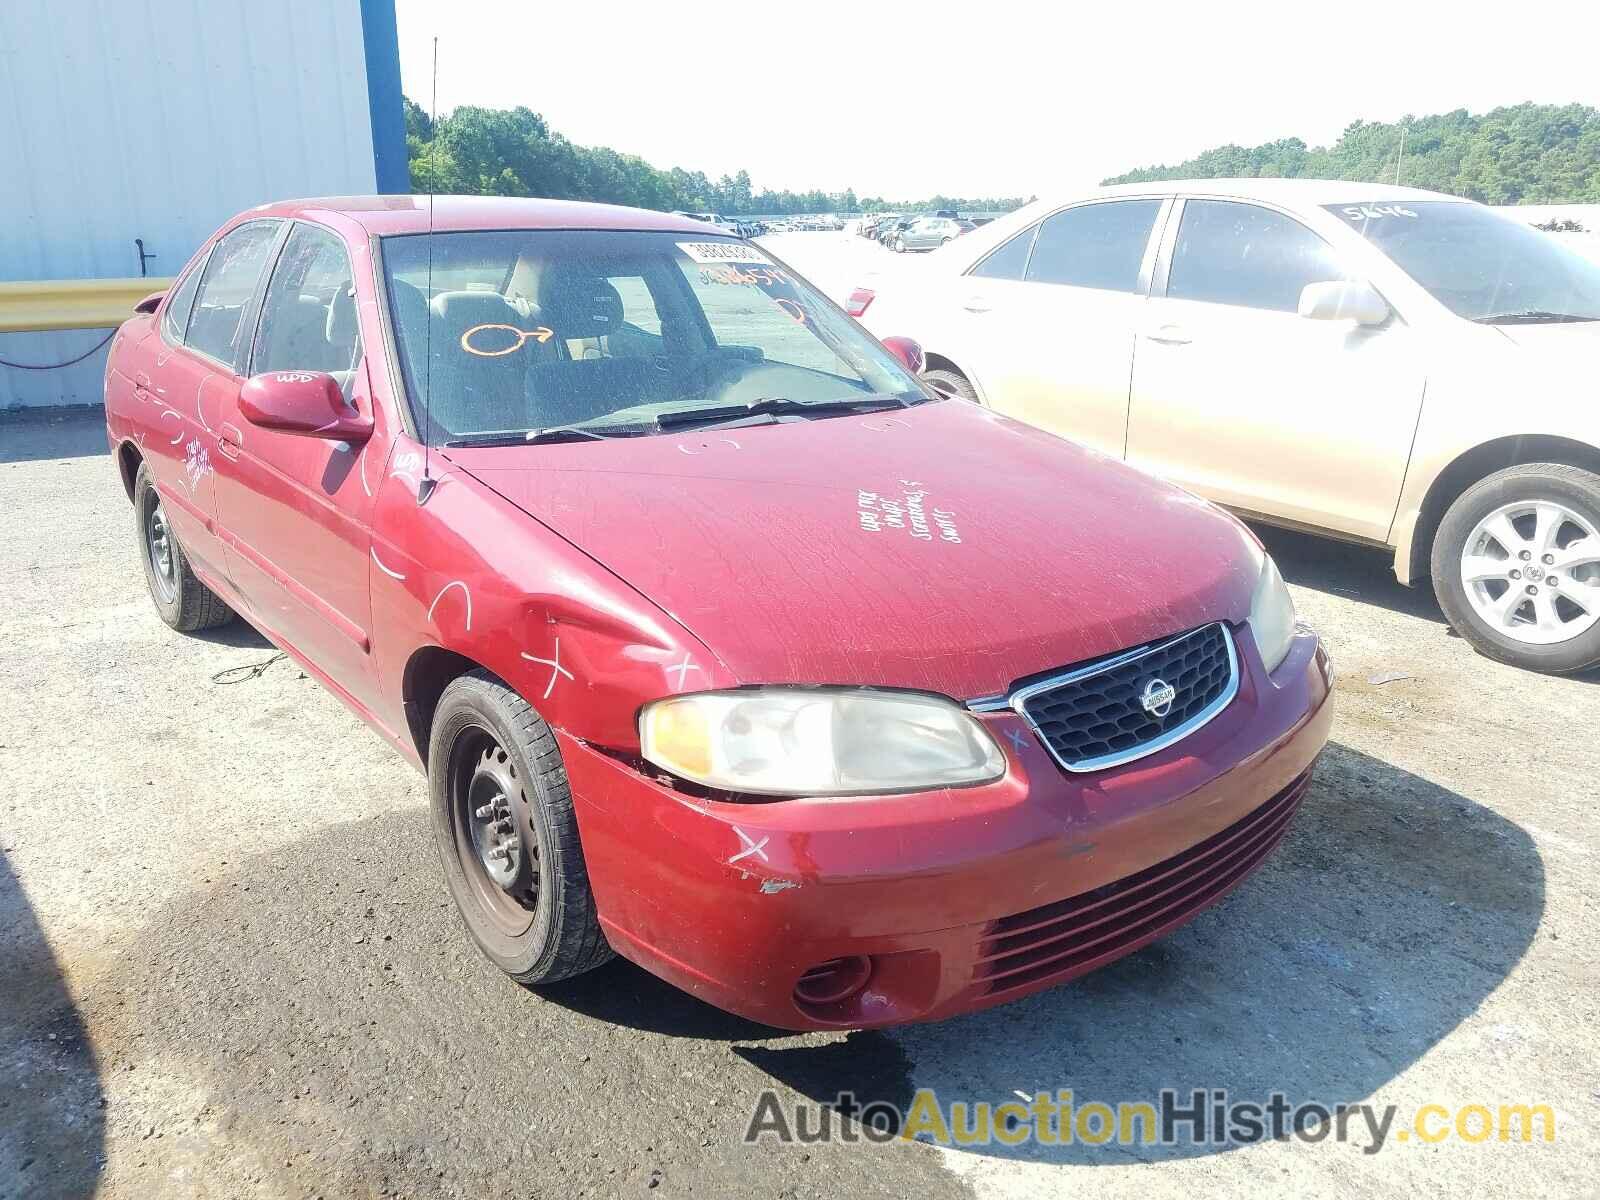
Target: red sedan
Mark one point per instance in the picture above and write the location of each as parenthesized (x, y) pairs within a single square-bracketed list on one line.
[(725, 644)]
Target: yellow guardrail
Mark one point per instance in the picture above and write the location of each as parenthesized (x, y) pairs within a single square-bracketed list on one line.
[(33, 305)]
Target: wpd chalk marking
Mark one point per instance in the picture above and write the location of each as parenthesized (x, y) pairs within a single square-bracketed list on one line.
[(384, 569), (751, 846), (554, 664), (454, 583), (682, 668)]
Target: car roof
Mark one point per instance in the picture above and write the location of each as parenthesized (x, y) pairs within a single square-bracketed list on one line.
[(1283, 191), (386, 215)]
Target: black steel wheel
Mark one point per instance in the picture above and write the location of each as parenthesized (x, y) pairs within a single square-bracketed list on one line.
[(183, 602), (507, 834)]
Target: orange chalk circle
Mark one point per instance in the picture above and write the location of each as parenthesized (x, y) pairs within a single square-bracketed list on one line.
[(540, 335)]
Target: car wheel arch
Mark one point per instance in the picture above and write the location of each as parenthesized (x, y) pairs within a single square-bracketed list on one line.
[(1475, 464), (428, 671), (129, 460)]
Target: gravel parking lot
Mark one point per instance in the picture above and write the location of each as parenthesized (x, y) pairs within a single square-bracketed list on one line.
[(231, 968)]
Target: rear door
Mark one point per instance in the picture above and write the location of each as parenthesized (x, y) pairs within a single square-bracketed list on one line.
[(1242, 400), (1047, 321), (194, 371), (297, 508)]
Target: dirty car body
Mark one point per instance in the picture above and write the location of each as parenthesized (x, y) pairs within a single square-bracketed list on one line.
[(864, 706)]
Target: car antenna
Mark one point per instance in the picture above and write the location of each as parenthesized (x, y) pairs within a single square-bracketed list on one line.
[(426, 485)]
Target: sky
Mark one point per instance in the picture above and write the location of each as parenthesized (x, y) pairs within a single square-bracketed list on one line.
[(982, 99)]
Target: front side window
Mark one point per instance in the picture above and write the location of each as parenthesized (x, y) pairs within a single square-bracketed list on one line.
[(175, 318), (1094, 245), (618, 333), (308, 318), (229, 284), (1246, 255), (1479, 264), (1010, 260)]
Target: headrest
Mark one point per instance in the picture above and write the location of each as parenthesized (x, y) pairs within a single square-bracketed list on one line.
[(462, 309), (578, 304), (340, 330)]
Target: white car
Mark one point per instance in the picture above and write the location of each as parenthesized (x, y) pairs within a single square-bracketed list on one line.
[(1381, 364)]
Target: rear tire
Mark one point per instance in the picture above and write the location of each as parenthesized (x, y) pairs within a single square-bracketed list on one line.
[(531, 911), (1516, 567), (951, 383), (183, 602)]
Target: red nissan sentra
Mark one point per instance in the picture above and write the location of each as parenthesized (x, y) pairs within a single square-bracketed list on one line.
[(725, 644)]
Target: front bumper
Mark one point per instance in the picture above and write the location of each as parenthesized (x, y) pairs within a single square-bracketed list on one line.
[(960, 898)]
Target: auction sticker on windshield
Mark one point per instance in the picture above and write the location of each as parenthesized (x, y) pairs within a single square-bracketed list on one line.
[(722, 252)]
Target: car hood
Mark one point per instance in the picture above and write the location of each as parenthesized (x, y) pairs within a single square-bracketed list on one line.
[(1579, 339), (942, 547)]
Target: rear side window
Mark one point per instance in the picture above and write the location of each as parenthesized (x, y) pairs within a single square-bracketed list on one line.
[(231, 275), (176, 317), (1010, 260), (308, 319), (1095, 245), (1242, 254)]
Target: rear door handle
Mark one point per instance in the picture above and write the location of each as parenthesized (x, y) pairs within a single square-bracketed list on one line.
[(1172, 335), (976, 305)]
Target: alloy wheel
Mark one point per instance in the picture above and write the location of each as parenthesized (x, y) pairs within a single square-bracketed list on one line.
[(1531, 571)]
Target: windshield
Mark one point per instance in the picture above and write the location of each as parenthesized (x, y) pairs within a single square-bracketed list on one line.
[(1480, 265), (609, 332)]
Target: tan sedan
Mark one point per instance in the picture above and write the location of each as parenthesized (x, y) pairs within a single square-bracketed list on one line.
[(1379, 364)]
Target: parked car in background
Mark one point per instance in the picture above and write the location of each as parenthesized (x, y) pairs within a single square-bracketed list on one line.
[(891, 229), (1390, 366), (929, 233), (592, 513)]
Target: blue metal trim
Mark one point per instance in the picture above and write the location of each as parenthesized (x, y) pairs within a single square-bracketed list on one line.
[(381, 41)]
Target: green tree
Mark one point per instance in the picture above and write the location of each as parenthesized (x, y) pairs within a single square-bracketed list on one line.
[(1521, 154)]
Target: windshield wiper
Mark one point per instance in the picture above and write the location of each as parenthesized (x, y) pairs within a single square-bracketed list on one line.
[(777, 406), (540, 437), (1532, 316)]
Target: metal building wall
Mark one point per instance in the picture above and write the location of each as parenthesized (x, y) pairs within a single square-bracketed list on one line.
[(158, 119)]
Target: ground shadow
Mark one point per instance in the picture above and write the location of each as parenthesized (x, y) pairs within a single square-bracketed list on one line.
[(324, 1000), (1390, 912), (1364, 573), (322, 1009), (27, 435), (52, 1110)]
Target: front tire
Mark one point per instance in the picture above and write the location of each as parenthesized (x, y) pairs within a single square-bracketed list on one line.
[(899, 246), (951, 383), (1516, 567), (507, 834), (182, 601)]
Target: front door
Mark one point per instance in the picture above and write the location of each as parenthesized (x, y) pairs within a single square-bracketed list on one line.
[(296, 509), (1237, 397)]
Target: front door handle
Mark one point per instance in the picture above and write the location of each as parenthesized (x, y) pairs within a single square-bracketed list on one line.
[(976, 304), (1171, 335)]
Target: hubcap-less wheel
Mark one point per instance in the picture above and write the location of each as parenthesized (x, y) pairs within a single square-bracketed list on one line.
[(158, 545), (1531, 571), (494, 835)]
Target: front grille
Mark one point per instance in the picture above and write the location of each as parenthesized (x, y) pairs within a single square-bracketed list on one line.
[(1095, 717), (1076, 935)]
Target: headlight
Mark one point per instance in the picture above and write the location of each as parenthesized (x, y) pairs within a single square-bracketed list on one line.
[(1271, 615), (817, 742)]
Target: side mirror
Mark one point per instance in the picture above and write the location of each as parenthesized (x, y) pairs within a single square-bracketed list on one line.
[(1344, 300), (305, 402), (150, 303), (907, 351)]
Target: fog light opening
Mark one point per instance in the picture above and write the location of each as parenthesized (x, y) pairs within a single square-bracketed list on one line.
[(834, 980)]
